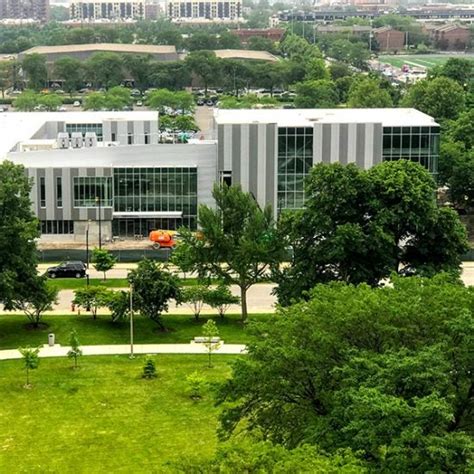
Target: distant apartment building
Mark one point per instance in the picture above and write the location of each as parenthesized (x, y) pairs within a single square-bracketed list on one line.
[(389, 39), (107, 10), (24, 9), (354, 30), (450, 37), (186, 10)]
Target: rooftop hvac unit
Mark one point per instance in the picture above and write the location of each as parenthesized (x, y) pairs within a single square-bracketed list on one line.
[(90, 140), (76, 139), (63, 140)]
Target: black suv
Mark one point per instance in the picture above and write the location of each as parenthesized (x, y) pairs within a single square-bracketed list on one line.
[(67, 270)]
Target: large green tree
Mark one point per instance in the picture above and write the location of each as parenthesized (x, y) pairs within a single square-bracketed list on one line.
[(34, 67), (316, 94), (205, 65), (360, 226), (106, 69), (71, 71), (236, 243), (367, 93), (385, 372), (18, 231)]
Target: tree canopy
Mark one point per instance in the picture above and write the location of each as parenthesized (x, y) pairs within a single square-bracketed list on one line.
[(360, 226), (384, 372)]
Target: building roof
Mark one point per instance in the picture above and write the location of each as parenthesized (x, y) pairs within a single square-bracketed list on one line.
[(308, 117), (110, 47), (163, 155), (245, 54), (16, 127)]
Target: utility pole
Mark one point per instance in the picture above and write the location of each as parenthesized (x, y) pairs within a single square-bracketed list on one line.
[(131, 322)]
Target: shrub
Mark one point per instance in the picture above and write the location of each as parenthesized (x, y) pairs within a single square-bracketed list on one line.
[(195, 385), (149, 369), (221, 298)]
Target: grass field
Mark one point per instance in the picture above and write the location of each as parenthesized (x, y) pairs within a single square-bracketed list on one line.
[(103, 417), (75, 283), (181, 329), (426, 60)]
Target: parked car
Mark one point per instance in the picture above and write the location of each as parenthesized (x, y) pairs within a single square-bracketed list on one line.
[(67, 270), (76, 103)]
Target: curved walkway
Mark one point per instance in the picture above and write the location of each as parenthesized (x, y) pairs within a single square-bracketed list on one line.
[(124, 349)]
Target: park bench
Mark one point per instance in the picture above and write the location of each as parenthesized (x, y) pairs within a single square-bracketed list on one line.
[(201, 339)]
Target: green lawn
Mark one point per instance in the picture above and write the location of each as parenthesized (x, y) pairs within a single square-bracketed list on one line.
[(426, 60), (75, 283), (182, 328), (104, 417)]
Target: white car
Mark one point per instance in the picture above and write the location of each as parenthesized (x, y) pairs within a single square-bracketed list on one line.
[(76, 103)]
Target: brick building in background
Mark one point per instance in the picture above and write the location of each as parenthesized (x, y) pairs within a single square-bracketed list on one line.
[(273, 34), (450, 37), (24, 10), (389, 39)]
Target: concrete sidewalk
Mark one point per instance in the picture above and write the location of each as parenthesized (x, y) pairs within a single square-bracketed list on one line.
[(124, 349)]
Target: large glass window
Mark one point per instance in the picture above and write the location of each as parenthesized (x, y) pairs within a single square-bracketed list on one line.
[(57, 227), (157, 190), (418, 144), (295, 159), (86, 127), (89, 190), (42, 191), (59, 191)]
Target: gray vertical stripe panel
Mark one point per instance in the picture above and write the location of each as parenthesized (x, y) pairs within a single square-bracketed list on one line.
[(360, 145), (326, 139), (270, 194), (236, 156), (90, 172), (317, 143), (343, 143), (228, 147), (236, 150), (67, 194), (255, 139), (50, 188), (220, 148), (57, 173), (378, 137)]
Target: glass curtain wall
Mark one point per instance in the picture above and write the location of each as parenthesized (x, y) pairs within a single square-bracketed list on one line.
[(88, 188), (155, 190), (295, 159), (418, 144), (86, 127)]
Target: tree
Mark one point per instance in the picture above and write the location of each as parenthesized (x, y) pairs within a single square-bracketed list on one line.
[(75, 350), (153, 287), (384, 372), (228, 40), (316, 70), (258, 43), (441, 98), (149, 369), (462, 129), (201, 41), (51, 102), (461, 182), (95, 101), (103, 260), (26, 101), (221, 298), (40, 298), (138, 65), (316, 94), (91, 298), (237, 242), (6, 76), (366, 93), (71, 71), (34, 66), (211, 334), (457, 69), (162, 98), (361, 226), (30, 361), (18, 231), (195, 297), (118, 303), (338, 70), (106, 69), (195, 385), (185, 123), (205, 65)]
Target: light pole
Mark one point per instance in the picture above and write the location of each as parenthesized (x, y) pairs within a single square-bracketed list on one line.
[(131, 322), (97, 201), (87, 244)]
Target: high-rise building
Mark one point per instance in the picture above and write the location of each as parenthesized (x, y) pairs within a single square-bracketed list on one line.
[(24, 9), (80, 10), (189, 10)]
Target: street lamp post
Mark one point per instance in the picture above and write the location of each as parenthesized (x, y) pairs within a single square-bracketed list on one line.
[(131, 322), (97, 201), (87, 244)]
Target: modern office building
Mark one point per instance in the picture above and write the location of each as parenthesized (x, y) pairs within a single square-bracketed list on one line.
[(107, 171), (270, 152), (215, 10)]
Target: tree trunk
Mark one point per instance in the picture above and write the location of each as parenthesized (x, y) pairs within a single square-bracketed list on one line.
[(27, 376), (210, 353), (243, 300), (105, 276)]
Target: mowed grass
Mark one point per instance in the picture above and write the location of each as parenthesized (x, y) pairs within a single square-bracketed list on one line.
[(76, 283), (103, 417), (14, 332), (427, 61)]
